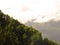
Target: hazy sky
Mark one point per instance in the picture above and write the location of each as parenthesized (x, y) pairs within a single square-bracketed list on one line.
[(24, 10)]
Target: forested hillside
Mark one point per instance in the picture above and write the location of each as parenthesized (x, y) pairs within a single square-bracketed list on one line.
[(12, 32)]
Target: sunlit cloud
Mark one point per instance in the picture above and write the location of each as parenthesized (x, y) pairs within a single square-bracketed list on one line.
[(25, 10)]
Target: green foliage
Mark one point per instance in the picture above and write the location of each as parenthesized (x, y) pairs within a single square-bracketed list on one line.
[(13, 32), (48, 42)]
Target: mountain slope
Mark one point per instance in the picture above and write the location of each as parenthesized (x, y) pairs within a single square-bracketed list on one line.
[(13, 32)]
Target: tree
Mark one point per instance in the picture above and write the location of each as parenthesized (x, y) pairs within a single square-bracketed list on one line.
[(12, 32)]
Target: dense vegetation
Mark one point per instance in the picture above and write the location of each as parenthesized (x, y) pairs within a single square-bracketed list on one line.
[(13, 32)]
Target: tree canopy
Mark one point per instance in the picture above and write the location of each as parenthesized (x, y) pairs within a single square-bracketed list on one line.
[(12, 32)]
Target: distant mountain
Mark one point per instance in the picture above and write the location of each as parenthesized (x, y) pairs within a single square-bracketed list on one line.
[(50, 29)]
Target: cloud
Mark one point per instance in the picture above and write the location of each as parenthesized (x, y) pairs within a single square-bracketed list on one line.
[(50, 29), (24, 10)]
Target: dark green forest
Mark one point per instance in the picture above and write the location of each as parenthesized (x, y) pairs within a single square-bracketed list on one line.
[(13, 32)]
